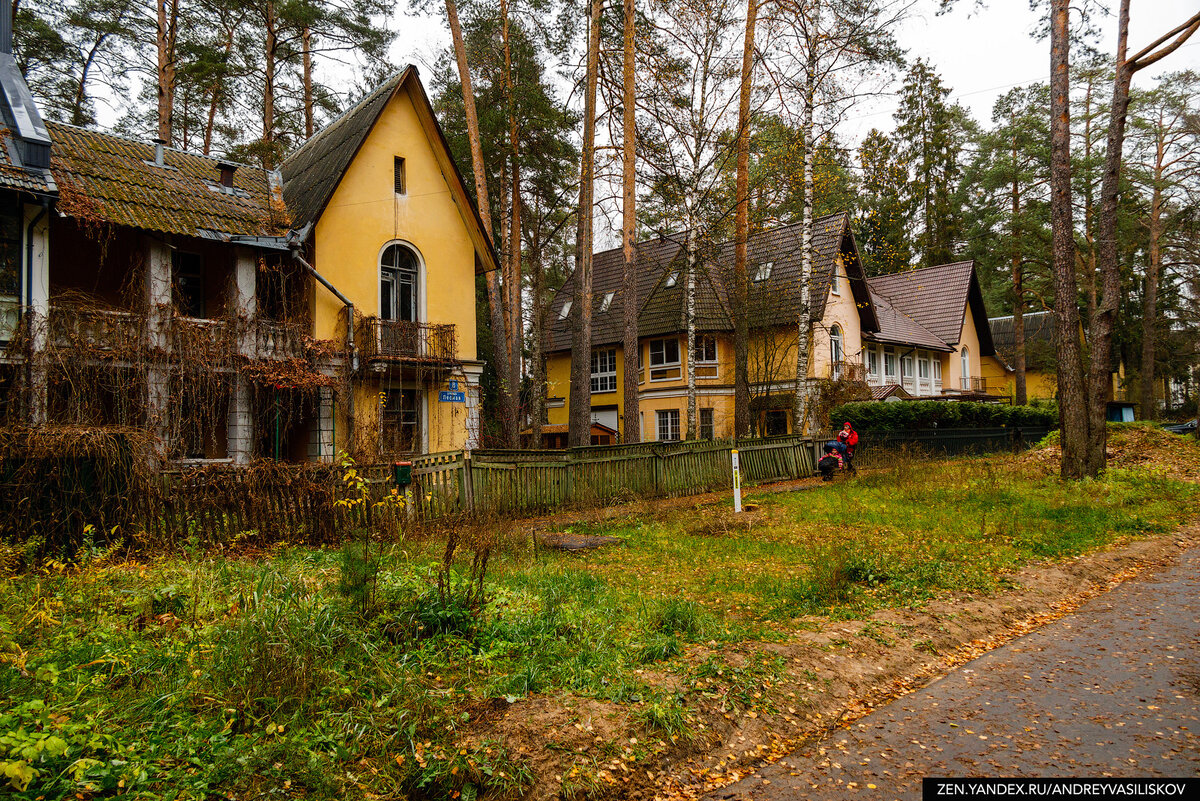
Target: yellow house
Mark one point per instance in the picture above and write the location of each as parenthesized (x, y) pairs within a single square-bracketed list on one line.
[(233, 312), (1040, 376), (384, 217), (918, 331)]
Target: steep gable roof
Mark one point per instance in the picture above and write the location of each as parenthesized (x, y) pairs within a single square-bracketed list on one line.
[(107, 177), (897, 328), (772, 302), (312, 173), (937, 299)]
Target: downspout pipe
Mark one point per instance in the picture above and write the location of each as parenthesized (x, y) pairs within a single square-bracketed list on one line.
[(294, 248)]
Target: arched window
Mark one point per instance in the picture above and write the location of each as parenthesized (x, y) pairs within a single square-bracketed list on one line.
[(966, 367), (399, 273), (835, 350)]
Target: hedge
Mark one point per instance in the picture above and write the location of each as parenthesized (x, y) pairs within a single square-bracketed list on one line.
[(909, 415)]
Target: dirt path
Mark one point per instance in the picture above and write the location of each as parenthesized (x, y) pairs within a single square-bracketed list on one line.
[(1110, 690)]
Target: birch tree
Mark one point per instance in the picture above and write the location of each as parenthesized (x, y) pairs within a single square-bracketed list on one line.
[(741, 277)]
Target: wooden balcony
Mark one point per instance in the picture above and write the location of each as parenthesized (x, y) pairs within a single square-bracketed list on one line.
[(404, 341)]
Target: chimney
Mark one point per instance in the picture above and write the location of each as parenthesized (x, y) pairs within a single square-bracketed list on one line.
[(227, 169), (158, 149), (6, 23)]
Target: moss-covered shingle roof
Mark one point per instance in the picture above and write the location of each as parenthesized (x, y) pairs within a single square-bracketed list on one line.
[(105, 177)]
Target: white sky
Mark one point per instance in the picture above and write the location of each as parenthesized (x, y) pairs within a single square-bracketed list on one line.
[(979, 52)]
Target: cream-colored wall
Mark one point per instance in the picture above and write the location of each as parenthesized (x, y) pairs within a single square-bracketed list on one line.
[(365, 214), (970, 338), (840, 310)]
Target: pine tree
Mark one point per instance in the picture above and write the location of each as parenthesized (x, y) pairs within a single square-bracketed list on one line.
[(929, 136), (883, 235)]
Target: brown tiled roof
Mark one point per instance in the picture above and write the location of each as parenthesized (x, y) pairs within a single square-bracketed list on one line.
[(771, 302), (103, 176), (889, 390), (935, 297), (19, 178), (897, 328), (312, 173)]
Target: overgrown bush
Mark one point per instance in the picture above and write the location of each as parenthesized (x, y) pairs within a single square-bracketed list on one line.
[(881, 418)]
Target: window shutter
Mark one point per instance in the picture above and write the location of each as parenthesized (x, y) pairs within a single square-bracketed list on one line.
[(399, 176)]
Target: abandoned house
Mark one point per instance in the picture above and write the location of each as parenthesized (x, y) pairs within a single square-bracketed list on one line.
[(229, 312)]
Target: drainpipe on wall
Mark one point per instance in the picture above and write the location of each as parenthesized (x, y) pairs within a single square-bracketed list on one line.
[(294, 247)]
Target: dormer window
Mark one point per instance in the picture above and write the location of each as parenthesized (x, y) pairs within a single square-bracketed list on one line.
[(672, 278), (566, 309), (606, 301), (763, 271), (399, 177)]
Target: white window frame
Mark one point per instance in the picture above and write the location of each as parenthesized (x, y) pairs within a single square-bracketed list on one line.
[(706, 367), (565, 310), (964, 356), (835, 285), (606, 301), (672, 278), (605, 378), (891, 376), (664, 362), (837, 350), (666, 428), (874, 364), (762, 271)]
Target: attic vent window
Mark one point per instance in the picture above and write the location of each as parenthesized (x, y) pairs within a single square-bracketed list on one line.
[(399, 176), (763, 271), (606, 302), (566, 309), (673, 278)]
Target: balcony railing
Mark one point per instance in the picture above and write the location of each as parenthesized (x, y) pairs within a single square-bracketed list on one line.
[(278, 341), (202, 337), (109, 331), (847, 371), (972, 384), (401, 340)]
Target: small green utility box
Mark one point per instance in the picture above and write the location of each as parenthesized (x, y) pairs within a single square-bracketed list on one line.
[(402, 473)]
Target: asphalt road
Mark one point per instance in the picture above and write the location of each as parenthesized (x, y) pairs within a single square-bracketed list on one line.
[(1111, 690)]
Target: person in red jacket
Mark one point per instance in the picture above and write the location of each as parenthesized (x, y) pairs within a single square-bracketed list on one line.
[(848, 437)]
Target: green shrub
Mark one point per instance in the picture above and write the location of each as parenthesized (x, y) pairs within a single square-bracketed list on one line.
[(882, 418), (677, 617)]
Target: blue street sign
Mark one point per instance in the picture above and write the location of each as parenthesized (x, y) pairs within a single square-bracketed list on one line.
[(454, 385), (452, 397)]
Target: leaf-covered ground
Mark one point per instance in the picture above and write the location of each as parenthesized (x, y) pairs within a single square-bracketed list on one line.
[(697, 645)]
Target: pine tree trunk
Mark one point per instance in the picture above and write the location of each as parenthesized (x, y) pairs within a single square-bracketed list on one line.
[(1072, 392), (741, 276), (495, 306), (1020, 396), (512, 278), (580, 416), (306, 45), (1100, 343), (268, 119), (631, 424), (1150, 295), (537, 361), (168, 21)]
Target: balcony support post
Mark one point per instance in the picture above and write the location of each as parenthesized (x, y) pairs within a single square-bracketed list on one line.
[(37, 308), (158, 329), (245, 275), (240, 422)]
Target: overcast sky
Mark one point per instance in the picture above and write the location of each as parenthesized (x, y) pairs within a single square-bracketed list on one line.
[(979, 52)]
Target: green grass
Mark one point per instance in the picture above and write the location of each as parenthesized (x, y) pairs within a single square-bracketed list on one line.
[(181, 677)]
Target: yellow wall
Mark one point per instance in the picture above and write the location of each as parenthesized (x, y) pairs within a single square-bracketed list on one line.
[(1039, 385), (365, 214), (952, 373), (840, 310)]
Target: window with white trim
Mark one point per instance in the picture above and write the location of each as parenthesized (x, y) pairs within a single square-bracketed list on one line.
[(873, 363), (762, 271), (835, 345), (835, 284), (664, 359), (399, 274), (604, 370), (564, 311), (966, 368), (668, 425), (706, 356), (890, 373)]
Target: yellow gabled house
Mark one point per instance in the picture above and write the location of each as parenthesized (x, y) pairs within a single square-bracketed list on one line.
[(924, 332), (384, 217)]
